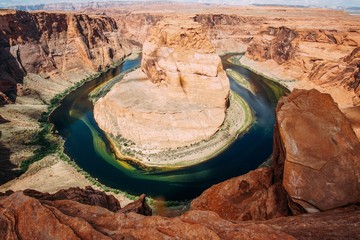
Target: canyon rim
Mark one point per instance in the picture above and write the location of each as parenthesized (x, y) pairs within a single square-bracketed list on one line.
[(191, 91)]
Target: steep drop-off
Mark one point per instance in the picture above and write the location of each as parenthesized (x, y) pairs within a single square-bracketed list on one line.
[(47, 52), (316, 165), (41, 55), (325, 59), (257, 205)]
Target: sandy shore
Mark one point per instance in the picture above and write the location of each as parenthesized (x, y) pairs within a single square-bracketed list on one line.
[(237, 121)]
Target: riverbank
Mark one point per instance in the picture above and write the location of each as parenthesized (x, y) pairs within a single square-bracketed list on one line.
[(238, 120), (33, 157), (291, 80), (264, 71)]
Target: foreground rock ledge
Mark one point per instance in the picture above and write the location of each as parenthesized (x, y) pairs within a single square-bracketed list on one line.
[(252, 206), (319, 151), (316, 165), (181, 100)]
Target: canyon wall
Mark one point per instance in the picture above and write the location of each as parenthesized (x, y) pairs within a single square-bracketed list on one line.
[(316, 165), (320, 52), (47, 52), (325, 59)]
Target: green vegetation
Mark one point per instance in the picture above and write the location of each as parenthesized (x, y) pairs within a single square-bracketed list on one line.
[(240, 80), (48, 143), (236, 60)]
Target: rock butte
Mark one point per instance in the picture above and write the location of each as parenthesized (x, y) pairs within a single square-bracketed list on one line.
[(182, 97)]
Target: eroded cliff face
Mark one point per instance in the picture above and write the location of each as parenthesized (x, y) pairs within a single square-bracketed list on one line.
[(327, 59), (316, 165), (48, 52), (257, 205), (230, 32), (73, 219), (181, 98), (318, 151)]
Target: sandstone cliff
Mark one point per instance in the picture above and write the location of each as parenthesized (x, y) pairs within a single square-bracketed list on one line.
[(47, 52), (326, 59), (316, 165), (184, 99), (319, 151)]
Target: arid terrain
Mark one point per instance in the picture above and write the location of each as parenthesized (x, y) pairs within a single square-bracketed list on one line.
[(316, 134)]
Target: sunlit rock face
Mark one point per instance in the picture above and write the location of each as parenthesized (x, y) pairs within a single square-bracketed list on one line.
[(48, 52), (180, 95), (319, 152)]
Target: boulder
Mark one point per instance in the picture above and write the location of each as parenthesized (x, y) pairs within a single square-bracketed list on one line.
[(248, 197), (316, 152)]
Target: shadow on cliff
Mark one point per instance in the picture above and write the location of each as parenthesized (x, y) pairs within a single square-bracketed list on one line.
[(8, 170), (11, 70)]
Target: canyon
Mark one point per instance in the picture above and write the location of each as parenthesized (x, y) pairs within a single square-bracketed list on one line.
[(316, 132), (253, 206)]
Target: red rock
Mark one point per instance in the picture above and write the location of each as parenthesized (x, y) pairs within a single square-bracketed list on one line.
[(87, 196), (55, 46), (248, 197), (139, 206), (319, 151), (334, 224), (24, 217)]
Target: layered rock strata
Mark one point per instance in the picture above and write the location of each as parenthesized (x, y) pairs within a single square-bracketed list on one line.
[(325, 59), (316, 165), (181, 98), (319, 151), (48, 52)]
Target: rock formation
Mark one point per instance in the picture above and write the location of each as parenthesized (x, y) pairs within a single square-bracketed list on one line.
[(316, 165), (232, 209), (87, 196), (60, 48), (326, 59), (252, 196), (184, 98), (69, 219), (319, 151)]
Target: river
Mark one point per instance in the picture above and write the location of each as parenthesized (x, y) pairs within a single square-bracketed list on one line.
[(87, 145)]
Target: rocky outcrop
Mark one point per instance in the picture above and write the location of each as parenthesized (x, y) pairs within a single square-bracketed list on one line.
[(281, 48), (183, 97), (56, 47), (87, 196), (326, 59), (252, 196), (316, 141), (316, 163), (344, 72), (24, 217)]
